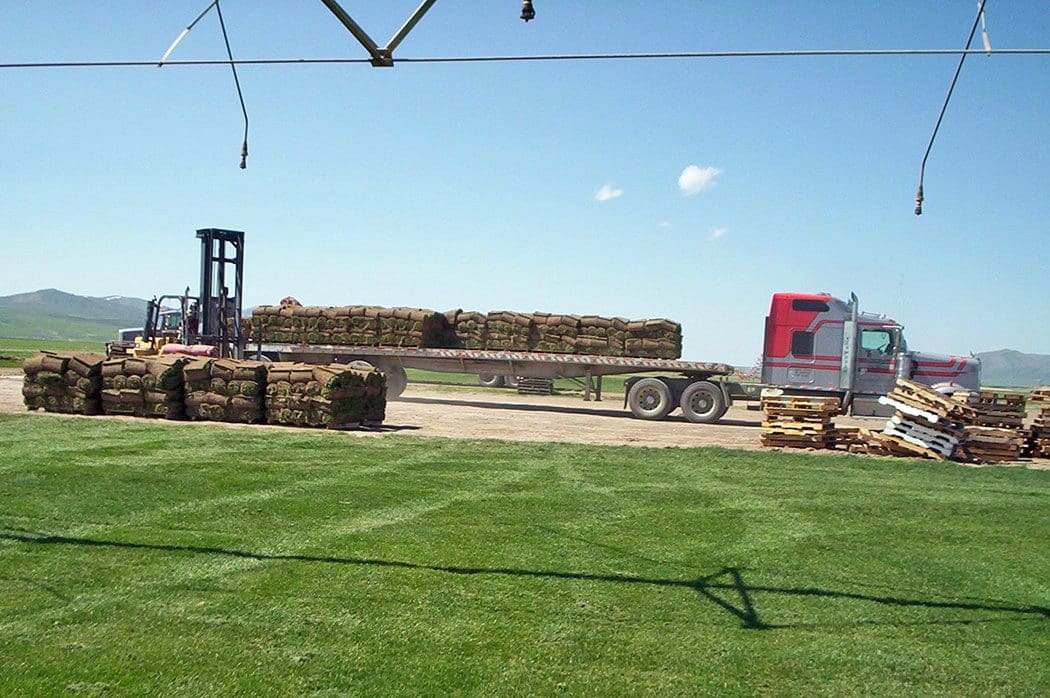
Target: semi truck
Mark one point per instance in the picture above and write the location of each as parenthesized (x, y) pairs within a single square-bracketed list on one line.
[(815, 344)]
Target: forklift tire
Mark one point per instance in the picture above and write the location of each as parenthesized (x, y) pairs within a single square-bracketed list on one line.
[(703, 403), (396, 381), (650, 398)]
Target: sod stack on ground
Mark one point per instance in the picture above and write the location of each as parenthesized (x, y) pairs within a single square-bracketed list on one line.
[(601, 336), (144, 387), (333, 396), (63, 382), (555, 333), (654, 339), (508, 331), (225, 390)]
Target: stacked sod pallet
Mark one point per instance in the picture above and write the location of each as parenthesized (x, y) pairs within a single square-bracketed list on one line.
[(66, 382), (144, 387), (467, 329), (654, 339), (411, 327), (556, 334), (509, 331), (1038, 443), (793, 421), (926, 423), (225, 390), (333, 396), (601, 336)]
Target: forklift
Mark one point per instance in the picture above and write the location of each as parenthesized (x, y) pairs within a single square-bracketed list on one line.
[(211, 319)]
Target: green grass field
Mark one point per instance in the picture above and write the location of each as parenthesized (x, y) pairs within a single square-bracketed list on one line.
[(184, 559), (14, 351)]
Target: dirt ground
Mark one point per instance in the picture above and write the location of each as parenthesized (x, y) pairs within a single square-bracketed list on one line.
[(426, 410)]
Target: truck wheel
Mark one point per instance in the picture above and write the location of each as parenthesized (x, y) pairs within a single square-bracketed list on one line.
[(490, 380), (650, 398), (702, 402), (396, 381)]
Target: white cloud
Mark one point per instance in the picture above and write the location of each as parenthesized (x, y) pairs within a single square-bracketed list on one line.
[(665, 224), (718, 232), (606, 192), (695, 179)]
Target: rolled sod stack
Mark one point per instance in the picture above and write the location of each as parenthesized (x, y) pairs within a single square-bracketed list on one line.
[(225, 390), (332, 396), (411, 327), (601, 336), (555, 333), (509, 331), (469, 329), (654, 339), (63, 382), (144, 387)]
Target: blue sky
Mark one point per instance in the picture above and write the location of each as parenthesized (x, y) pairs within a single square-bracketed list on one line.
[(476, 186)]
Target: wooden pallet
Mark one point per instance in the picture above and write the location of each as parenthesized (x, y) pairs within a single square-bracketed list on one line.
[(1040, 394), (535, 386)]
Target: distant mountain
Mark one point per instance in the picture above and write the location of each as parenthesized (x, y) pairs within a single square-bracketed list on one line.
[(54, 314), (1007, 367)]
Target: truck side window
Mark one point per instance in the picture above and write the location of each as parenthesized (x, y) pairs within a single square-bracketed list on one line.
[(876, 340), (809, 306), (802, 343)]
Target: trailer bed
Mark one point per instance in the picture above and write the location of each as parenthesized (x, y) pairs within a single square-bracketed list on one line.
[(530, 364)]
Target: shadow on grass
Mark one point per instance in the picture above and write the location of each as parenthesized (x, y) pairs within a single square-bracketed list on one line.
[(558, 409), (725, 588)]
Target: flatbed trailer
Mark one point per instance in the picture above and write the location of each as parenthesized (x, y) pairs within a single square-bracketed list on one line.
[(698, 387)]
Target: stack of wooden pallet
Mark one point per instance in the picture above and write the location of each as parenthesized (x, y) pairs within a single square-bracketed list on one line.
[(991, 444), (1039, 433), (876, 443), (926, 423), (1000, 410), (793, 421)]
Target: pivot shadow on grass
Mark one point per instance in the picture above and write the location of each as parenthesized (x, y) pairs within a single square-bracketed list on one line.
[(726, 588), (557, 409)]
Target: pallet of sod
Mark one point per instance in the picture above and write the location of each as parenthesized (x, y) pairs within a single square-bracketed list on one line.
[(66, 382), (601, 336), (509, 331), (225, 390), (654, 339), (467, 329), (556, 334), (144, 387), (334, 396)]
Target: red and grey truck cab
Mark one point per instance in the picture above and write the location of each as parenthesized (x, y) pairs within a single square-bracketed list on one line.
[(816, 342)]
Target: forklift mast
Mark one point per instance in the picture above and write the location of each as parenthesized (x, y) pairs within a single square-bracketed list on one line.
[(219, 309)]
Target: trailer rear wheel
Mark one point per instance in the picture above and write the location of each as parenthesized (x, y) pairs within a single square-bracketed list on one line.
[(650, 398), (490, 380), (702, 402)]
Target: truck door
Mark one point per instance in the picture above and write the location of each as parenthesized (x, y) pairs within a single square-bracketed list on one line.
[(875, 361)]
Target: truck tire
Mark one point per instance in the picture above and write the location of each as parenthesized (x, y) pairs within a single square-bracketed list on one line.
[(650, 398), (396, 381), (703, 402), (490, 380)]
